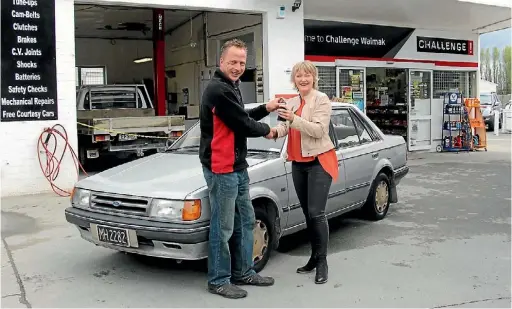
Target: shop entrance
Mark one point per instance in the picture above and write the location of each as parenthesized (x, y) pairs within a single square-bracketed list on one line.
[(397, 100), (387, 100), (420, 110)]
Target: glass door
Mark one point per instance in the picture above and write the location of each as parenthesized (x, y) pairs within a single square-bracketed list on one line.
[(420, 110), (351, 86)]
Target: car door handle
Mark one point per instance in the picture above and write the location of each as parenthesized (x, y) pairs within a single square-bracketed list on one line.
[(375, 155)]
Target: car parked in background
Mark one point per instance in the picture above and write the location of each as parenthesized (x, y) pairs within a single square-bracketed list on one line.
[(489, 102), (158, 205)]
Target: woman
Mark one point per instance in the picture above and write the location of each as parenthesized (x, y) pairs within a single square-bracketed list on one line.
[(305, 119)]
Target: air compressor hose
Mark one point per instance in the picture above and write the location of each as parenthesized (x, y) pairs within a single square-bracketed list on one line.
[(48, 146)]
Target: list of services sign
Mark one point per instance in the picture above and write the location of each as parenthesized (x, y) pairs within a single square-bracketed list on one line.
[(29, 77)]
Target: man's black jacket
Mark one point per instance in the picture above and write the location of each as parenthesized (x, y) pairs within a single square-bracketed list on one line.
[(226, 125)]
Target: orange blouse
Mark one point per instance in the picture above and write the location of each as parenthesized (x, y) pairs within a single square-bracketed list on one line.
[(328, 159)]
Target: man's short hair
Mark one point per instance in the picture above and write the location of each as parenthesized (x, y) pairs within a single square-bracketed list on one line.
[(232, 43)]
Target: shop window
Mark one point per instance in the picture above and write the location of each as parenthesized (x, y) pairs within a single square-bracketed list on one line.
[(344, 128), (448, 81), (351, 87), (327, 81)]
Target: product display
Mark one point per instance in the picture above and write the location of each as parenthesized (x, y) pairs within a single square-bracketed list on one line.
[(457, 133), (386, 99), (476, 122)]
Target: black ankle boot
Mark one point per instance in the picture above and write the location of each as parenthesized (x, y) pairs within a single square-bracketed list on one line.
[(322, 271), (309, 267)]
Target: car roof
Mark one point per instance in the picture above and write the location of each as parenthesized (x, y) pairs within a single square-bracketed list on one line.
[(334, 104)]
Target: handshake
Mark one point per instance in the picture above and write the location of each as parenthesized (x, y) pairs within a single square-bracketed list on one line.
[(272, 134)]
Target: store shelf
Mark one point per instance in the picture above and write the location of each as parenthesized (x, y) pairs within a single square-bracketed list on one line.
[(456, 129)]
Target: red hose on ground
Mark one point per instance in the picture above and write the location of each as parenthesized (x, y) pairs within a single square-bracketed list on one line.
[(52, 169)]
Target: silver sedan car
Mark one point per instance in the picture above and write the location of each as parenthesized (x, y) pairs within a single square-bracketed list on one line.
[(158, 205)]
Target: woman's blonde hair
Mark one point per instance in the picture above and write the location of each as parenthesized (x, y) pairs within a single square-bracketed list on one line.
[(307, 67)]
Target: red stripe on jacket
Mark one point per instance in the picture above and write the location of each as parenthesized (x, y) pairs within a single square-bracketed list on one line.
[(223, 147)]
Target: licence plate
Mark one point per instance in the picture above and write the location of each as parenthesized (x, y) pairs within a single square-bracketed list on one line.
[(112, 235), (126, 137)]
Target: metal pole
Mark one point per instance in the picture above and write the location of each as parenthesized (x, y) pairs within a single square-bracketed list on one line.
[(496, 122)]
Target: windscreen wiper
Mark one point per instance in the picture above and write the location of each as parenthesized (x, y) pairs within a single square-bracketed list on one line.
[(181, 148)]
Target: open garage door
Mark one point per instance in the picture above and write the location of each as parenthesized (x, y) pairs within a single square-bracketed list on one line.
[(126, 51)]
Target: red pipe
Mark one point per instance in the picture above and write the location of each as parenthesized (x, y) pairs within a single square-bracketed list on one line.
[(159, 61)]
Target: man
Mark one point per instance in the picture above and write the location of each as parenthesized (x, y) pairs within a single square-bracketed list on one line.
[(225, 127)]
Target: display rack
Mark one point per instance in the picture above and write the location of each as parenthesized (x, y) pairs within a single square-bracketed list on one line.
[(391, 119), (476, 122), (456, 129)]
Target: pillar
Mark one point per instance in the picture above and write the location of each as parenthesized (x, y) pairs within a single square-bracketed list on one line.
[(283, 46), (159, 62)]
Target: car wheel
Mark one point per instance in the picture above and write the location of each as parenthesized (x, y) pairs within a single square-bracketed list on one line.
[(490, 125), (377, 203), (82, 157), (263, 233)]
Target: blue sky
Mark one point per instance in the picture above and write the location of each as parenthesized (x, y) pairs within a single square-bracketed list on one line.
[(499, 39)]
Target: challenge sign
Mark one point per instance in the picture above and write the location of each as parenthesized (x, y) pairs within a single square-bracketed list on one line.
[(28, 67), (329, 38), (444, 46)]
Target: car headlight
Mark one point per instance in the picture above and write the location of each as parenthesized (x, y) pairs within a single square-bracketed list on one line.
[(81, 198), (176, 210)]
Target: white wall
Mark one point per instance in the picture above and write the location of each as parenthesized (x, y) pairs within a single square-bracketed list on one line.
[(20, 171), (117, 57), (487, 86), (283, 45)]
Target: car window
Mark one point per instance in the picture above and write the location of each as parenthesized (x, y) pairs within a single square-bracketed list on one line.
[(363, 134), (344, 128)]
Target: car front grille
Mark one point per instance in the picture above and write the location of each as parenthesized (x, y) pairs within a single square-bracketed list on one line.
[(120, 203)]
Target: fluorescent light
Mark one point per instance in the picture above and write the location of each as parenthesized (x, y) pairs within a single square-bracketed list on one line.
[(142, 60)]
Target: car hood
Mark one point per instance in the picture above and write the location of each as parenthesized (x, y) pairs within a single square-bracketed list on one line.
[(164, 175), (486, 110)]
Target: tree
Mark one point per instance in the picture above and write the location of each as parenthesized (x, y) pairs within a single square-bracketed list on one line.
[(506, 80), (487, 63), (496, 65), (482, 63)]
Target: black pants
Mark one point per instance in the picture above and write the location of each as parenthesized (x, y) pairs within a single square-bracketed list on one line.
[(312, 184)]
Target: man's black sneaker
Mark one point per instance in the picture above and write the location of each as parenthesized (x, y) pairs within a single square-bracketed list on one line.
[(255, 280), (227, 290)]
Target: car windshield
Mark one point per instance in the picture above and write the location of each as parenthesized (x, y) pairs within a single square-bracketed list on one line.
[(190, 139), (485, 99)]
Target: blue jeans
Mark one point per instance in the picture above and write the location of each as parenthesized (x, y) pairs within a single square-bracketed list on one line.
[(231, 227)]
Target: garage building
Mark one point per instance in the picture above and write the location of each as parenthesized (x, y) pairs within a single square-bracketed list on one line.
[(97, 42), (113, 41)]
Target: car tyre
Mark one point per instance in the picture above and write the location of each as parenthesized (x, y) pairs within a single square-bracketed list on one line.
[(263, 233), (379, 198), (82, 157)]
